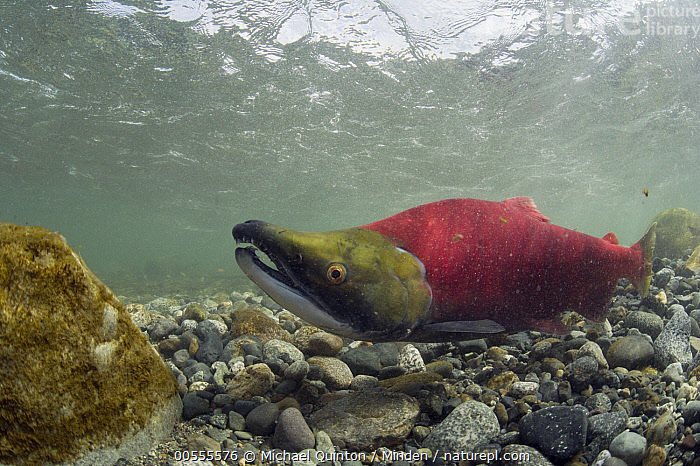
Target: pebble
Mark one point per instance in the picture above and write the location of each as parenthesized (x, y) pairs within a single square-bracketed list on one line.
[(521, 389), (673, 343), (363, 360), (468, 425), (558, 432), (663, 430), (336, 374), (283, 350), (254, 380), (629, 447), (201, 442), (363, 382), (630, 352), (193, 406), (534, 457), (603, 428), (261, 420), (325, 344), (210, 326), (592, 349), (646, 322), (292, 433), (161, 329), (210, 350), (580, 372), (236, 421), (297, 370), (654, 456), (368, 422), (411, 359)]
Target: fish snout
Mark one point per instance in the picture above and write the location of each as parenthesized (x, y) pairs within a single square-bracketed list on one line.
[(248, 231)]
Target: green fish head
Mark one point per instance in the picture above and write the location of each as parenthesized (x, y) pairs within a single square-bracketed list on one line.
[(354, 282)]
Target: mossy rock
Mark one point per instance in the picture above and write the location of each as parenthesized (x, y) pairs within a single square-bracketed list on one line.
[(78, 380), (693, 262), (254, 322), (677, 230)]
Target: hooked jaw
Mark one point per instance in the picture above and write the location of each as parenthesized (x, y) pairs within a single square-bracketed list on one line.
[(278, 283)]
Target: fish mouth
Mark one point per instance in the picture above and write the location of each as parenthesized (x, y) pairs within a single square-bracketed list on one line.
[(280, 282)]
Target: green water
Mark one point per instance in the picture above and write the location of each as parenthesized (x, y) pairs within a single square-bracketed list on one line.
[(144, 130)]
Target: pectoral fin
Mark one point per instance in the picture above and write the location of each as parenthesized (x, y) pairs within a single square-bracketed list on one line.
[(467, 326)]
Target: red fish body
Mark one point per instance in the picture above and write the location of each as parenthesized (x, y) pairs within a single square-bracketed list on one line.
[(504, 261)]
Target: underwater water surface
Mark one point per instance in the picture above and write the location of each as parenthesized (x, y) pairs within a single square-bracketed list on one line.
[(144, 130)]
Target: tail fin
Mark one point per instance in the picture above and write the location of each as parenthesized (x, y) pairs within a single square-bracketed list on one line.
[(646, 244)]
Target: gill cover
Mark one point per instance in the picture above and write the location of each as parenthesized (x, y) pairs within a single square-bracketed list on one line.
[(352, 282)]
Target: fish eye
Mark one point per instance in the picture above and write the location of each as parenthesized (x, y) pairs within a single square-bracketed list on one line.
[(336, 273)]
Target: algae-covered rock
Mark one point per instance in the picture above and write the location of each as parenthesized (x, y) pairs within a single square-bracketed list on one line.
[(78, 380), (693, 262), (677, 230), (367, 422), (254, 380), (254, 322)]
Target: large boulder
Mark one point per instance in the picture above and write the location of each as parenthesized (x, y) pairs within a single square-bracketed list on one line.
[(677, 230), (78, 380)]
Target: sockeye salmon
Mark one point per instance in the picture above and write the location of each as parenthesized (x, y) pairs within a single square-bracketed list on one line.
[(447, 270)]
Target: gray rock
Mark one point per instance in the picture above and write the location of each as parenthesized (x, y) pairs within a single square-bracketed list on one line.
[(191, 371), (210, 349), (601, 458), (297, 370), (325, 344), (261, 420), (193, 406), (646, 322), (287, 352), (362, 360), (559, 432), (522, 455), (161, 329), (324, 442), (236, 421), (603, 428), (223, 399), (691, 412), (292, 433), (521, 389), (180, 358), (219, 421), (630, 352), (672, 309), (410, 359), (468, 425), (550, 391), (209, 326), (663, 276), (363, 382), (591, 348), (580, 372), (368, 422), (598, 402), (673, 343), (201, 442), (629, 447), (188, 325), (336, 374)]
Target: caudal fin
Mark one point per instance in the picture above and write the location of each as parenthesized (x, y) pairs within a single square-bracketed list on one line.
[(646, 244)]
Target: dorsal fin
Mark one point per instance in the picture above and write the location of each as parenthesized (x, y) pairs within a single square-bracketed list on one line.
[(527, 205), (611, 238)]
